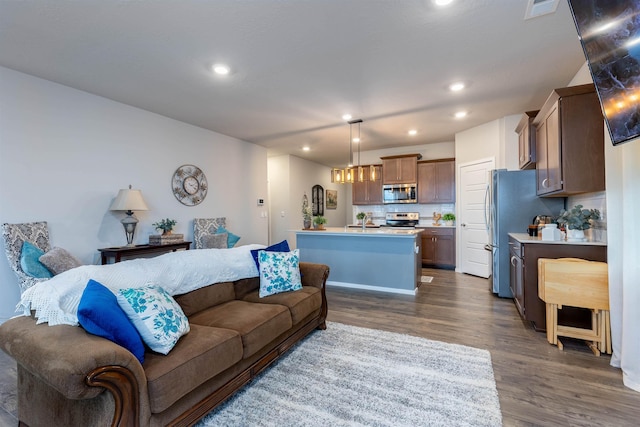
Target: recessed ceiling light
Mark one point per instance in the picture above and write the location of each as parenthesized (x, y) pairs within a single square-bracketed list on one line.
[(356, 139), (305, 148), (457, 86), (413, 132), (346, 117), (221, 69), (461, 114), (442, 2)]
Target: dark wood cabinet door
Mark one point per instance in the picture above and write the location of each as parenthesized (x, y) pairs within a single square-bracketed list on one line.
[(390, 171), (445, 182), (374, 186), (426, 182), (527, 141), (570, 143), (368, 192), (359, 191), (428, 249), (436, 182), (541, 163), (445, 250), (516, 278), (408, 169), (439, 247), (554, 155), (402, 169)]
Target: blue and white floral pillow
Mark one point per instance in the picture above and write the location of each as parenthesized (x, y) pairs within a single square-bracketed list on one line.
[(279, 272), (156, 315)]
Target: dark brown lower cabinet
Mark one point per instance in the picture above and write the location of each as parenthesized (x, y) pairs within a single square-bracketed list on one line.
[(524, 279), (439, 247)]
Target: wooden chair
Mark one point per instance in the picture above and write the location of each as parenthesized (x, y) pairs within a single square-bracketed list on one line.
[(576, 283)]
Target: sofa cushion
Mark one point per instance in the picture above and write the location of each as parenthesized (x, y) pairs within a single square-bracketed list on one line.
[(215, 241), (59, 260), (156, 315), (30, 261), (99, 314), (232, 239), (198, 357), (300, 303), (209, 296), (276, 247), (257, 324), (279, 272)]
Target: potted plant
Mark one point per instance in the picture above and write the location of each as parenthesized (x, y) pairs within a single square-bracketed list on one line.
[(319, 222), (449, 218), (361, 217), (166, 225), (577, 220)]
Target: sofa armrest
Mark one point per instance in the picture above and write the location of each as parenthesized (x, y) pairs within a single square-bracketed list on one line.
[(314, 274), (65, 356)]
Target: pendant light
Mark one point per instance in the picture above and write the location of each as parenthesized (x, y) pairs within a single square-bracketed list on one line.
[(360, 168), (348, 174)]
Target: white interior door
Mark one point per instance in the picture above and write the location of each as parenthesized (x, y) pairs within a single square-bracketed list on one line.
[(473, 234)]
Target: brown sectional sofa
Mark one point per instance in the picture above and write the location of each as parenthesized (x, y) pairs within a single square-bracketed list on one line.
[(67, 377)]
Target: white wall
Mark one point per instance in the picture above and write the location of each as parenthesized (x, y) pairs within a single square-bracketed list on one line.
[(290, 177), (64, 154), (622, 173)]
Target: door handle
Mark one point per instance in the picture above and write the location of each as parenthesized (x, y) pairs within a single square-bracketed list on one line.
[(463, 225)]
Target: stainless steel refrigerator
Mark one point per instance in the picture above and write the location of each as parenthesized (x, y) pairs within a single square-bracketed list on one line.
[(511, 204)]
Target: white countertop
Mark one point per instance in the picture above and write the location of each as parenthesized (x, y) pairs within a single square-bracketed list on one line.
[(382, 232), (525, 238)]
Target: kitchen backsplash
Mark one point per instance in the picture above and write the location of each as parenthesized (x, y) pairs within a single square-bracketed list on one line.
[(598, 201), (378, 212)]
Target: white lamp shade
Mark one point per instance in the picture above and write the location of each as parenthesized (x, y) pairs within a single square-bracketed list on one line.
[(129, 200)]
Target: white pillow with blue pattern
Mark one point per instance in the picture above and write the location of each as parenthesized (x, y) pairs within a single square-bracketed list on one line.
[(279, 272), (156, 315)]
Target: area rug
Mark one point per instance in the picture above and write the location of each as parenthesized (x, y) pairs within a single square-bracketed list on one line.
[(350, 376)]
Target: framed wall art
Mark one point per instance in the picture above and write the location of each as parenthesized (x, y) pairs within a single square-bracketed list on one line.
[(332, 199)]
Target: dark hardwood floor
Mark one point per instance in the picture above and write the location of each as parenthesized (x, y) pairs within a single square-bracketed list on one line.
[(538, 385)]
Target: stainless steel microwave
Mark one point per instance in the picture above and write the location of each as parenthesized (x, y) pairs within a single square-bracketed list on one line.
[(399, 193)]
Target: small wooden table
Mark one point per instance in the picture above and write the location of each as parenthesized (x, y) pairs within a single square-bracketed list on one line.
[(117, 253)]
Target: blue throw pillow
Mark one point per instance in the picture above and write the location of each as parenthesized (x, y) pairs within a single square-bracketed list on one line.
[(232, 239), (30, 261), (276, 247), (99, 314)]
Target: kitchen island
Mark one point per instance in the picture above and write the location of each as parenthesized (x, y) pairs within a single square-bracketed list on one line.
[(381, 259)]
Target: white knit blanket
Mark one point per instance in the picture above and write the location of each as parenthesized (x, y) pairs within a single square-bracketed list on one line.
[(56, 300)]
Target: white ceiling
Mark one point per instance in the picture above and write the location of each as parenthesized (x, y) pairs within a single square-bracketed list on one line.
[(298, 65)]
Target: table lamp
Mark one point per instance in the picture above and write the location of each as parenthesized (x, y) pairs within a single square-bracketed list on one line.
[(129, 200)]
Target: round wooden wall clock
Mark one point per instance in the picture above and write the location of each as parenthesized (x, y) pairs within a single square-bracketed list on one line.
[(189, 185)]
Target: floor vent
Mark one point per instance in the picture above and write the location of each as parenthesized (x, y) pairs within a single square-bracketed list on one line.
[(426, 279), (537, 8)]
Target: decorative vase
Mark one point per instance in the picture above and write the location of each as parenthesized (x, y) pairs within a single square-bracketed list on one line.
[(306, 223), (575, 235), (449, 223), (166, 232)]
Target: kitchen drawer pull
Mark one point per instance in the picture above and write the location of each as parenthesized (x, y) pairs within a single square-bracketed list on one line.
[(513, 261), (545, 183)]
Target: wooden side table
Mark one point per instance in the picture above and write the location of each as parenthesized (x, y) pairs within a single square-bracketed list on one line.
[(117, 253)]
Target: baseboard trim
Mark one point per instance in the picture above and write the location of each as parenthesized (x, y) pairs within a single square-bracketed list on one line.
[(372, 288)]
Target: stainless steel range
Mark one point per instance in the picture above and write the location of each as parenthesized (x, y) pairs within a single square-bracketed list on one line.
[(401, 219)]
